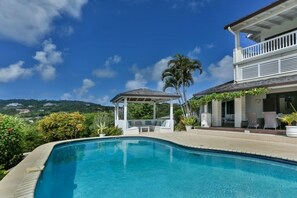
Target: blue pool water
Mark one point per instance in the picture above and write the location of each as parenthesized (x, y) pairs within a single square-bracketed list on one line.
[(142, 167)]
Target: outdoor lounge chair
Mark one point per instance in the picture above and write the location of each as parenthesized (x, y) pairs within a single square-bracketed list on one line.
[(252, 120), (270, 120)]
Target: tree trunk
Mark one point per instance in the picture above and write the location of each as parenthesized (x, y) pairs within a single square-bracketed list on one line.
[(180, 102), (186, 102)]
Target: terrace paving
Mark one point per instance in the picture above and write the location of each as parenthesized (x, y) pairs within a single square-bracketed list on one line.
[(21, 181), (260, 144)]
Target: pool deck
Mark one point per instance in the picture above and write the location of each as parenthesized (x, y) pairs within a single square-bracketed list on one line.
[(22, 179)]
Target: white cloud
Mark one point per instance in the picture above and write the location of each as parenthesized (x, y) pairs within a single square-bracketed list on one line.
[(221, 71), (106, 71), (65, 31), (138, 82), (82, 94), (14, 72), (159, 67), (84, 89), (115, 59), (29, 21), (47, 59), (160, 85), (66, 96), (210, 46), (104, 100), (194, 5), (194, 53)]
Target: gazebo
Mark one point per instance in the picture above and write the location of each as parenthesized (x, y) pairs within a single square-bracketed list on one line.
[(143, 96)]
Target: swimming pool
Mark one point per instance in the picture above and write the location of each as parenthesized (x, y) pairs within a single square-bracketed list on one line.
[(145, 167)]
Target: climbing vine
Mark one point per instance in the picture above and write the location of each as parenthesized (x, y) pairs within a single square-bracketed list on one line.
[(195, 103)]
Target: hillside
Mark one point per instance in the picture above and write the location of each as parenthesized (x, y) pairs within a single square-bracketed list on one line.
[(40, 108)]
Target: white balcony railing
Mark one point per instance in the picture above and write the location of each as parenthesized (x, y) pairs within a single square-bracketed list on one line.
[(272, 45)]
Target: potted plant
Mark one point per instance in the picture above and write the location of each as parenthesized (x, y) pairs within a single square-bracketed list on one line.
[(188, 122), (291, 131), (100, 128)]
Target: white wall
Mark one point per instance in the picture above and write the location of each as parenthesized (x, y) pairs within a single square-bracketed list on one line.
[(255, 104)]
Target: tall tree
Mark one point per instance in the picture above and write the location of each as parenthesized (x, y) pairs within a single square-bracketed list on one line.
[(179, 76)]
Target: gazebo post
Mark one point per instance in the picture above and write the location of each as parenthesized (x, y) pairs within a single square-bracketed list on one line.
[(125, 114), (116, 114), (171, 116), (154, 116), (117, 111)]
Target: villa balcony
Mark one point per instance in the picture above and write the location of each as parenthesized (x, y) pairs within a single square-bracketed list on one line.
[(274, 46)]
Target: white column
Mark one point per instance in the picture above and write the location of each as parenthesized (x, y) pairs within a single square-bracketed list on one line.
[(238, 50), (237, 40), (125, 114), (154, 116), (115, 114), (240, 110), (171, 116), (205, 108), (117, 111), (216, 118)]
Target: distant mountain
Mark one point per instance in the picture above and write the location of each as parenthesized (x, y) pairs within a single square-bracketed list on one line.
[(40, 108)]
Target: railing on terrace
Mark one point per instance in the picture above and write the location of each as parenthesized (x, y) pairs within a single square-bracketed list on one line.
[(275, 44)]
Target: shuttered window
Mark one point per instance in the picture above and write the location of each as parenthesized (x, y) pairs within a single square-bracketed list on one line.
[(289, 64), (250, 72), (269, 68)]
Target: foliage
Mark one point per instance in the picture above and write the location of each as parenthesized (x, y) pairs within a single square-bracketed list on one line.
[(178, 76), (11, 140), (113, 131), (180, 126), (89, 119), (101, 127), (61, 126), (145, 110), (195, 103), (3, 172), (102, 120), (32, 138), (289, 118), (189, 121), (140, 111)]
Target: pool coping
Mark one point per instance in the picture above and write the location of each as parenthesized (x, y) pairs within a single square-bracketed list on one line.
[(22, 179)]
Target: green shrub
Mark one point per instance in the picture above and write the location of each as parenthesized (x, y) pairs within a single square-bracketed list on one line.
[(113, 131), (33, 138), (89, 119), (102, 121), (3, 172), (11, 140), (190, 121), (180, 126), (61, 126)]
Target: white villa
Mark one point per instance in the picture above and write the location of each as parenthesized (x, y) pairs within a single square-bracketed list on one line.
[(271, 62)]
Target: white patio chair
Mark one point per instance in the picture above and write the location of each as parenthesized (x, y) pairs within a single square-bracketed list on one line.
[(270, 120)]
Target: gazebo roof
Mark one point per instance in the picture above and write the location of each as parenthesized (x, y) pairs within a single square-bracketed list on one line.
[(144, 95)]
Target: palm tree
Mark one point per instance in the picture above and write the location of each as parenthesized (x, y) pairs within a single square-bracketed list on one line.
[(178, 76)]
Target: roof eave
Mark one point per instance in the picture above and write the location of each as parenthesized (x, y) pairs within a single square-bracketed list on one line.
[(270, 6)]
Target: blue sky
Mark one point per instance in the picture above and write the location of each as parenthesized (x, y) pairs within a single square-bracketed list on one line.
[(91, 50)]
